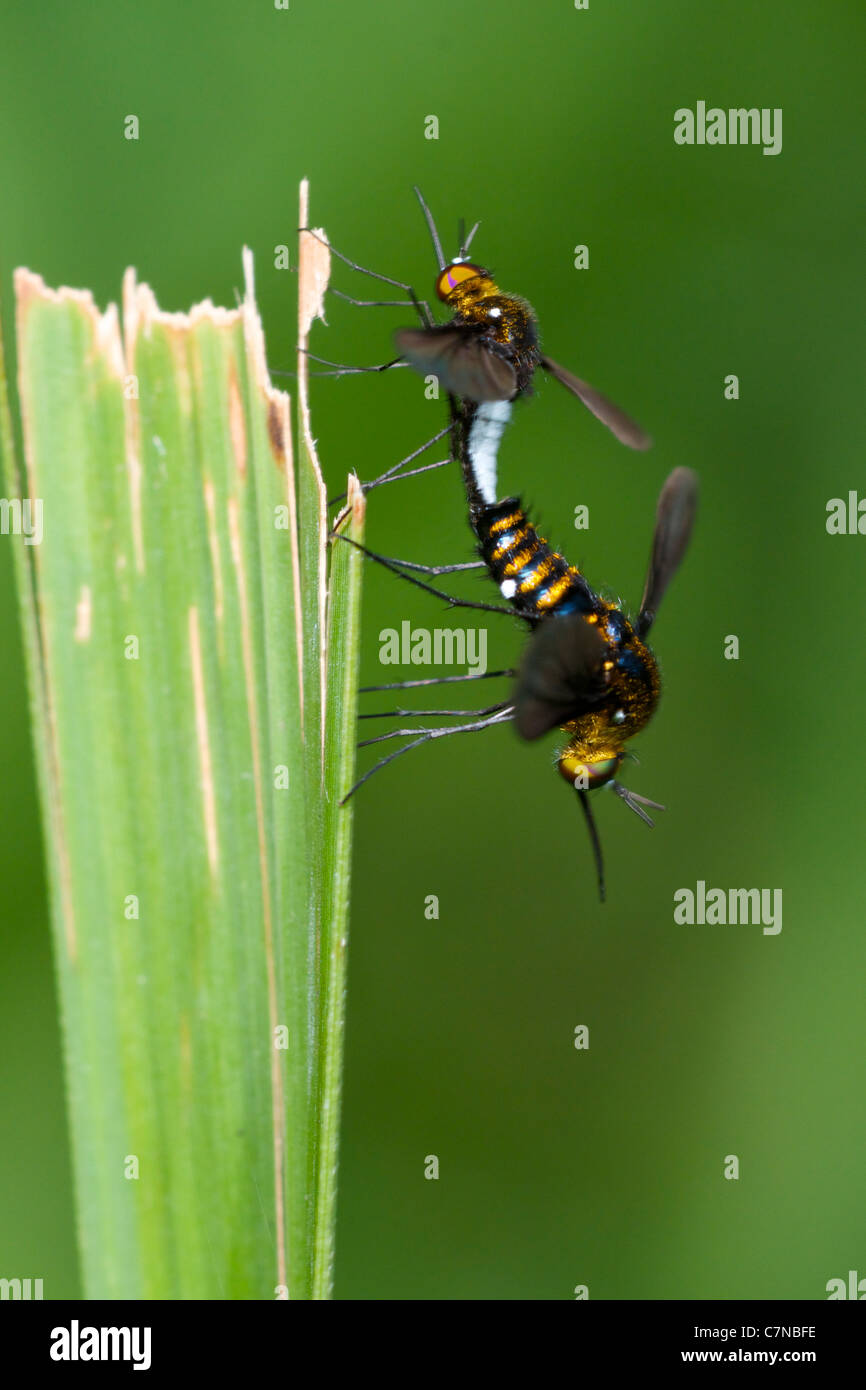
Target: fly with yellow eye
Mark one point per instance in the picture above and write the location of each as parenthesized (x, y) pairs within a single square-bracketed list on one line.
[(587, 669), (486, 354), (489, 351)]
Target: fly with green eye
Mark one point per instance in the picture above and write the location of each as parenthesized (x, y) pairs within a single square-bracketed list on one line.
[(586, 669)]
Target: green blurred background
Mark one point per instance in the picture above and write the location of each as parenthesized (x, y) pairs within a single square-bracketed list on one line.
[(557, 1167)]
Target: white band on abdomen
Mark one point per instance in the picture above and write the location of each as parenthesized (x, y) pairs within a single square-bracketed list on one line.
[(486, 430)]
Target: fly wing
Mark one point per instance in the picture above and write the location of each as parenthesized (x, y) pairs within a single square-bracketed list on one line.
[(620, 424), (675, 517), (561, 676), (459, 358)]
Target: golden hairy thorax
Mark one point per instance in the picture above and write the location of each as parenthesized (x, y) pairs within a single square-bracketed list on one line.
[(476, 301), (634, 685)]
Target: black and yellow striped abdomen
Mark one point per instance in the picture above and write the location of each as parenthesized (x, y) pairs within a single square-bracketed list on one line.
[(536, 580), (540, 584)]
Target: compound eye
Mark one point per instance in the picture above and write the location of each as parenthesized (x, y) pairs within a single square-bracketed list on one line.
[(455, 275), (591, 775), (601, 772)]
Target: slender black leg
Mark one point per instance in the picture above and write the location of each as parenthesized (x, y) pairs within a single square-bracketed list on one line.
[(433, 713), (395, 467), (440, 569), (436, 680), (412, 565), (372, 303), (412, 473), (427, 569), (425, 737), (339, 369), (350, 299), (421, 305), (450, 599), (496, 714)]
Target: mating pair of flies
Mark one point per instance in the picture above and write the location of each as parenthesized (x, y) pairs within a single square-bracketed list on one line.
[(586, 668)]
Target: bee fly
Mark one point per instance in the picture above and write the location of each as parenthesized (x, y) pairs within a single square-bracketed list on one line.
[(586, 669), (485, 355), (489, 350)]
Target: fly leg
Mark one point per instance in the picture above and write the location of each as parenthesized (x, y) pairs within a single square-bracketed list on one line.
[(452, 601), (420, 305), (390, 473), (419, 736), (436, 680), (340, 369), (433, 713), (433, 570)]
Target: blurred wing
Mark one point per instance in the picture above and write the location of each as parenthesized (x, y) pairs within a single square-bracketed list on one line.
[(459, 358), (620, 424), (561, 675), (675, 517)]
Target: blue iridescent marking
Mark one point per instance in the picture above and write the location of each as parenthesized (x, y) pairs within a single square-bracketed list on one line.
[(576, 602), (632, 664)]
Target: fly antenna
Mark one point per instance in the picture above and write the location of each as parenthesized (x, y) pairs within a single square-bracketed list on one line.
[(428, 218), (463, 240), (635, 803), (468, 241), (596, 842)]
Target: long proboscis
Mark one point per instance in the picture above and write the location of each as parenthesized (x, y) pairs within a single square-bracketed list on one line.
[(594, 840)]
